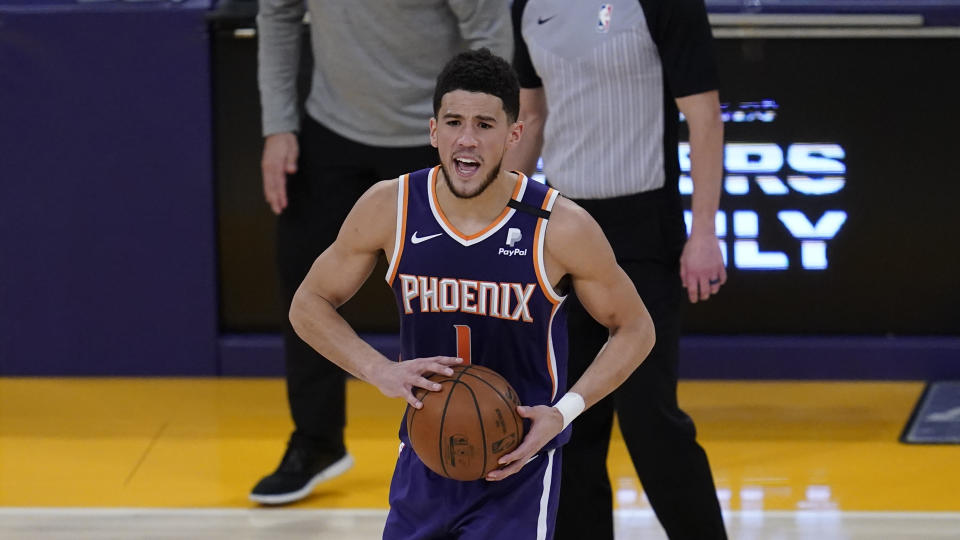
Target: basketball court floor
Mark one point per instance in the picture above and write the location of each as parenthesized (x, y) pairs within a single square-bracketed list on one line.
[(174, 458)]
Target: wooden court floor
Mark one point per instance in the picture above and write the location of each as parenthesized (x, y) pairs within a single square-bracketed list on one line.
[(78, 457)]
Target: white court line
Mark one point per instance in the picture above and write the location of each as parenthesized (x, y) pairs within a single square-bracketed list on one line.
[(214, 512), (642, 512), (373, 512)]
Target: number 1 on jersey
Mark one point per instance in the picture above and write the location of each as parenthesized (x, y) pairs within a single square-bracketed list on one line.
[(463, 342)]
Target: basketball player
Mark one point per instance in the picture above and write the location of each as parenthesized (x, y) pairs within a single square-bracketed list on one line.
[(372, 82), (480, 260)]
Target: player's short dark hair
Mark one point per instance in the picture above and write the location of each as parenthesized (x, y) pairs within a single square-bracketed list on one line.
[(480, 71)]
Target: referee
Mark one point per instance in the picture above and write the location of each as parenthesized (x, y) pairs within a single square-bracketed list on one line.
[(613, 76)]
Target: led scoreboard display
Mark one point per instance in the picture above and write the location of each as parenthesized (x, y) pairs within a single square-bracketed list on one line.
[(761, 165), (840, 211)]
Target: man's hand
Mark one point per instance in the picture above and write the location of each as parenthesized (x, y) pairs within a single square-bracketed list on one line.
[(546, 423), (280, 153), (701, 267), (398, 379)]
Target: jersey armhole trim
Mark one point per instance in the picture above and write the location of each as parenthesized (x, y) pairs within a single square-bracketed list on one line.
[(539, 247), (401, 232)]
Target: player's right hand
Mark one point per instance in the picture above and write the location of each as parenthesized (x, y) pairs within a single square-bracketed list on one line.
[(545, 424), (280, 153), (398, 379)]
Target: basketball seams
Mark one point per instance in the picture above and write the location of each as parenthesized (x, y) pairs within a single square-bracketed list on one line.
[(483, 430), (443, 419), (423, 393), (412, 412), (510, 405), (476, 407), (492, 381)]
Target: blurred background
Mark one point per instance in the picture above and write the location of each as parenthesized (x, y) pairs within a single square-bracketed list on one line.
[(135, 240)]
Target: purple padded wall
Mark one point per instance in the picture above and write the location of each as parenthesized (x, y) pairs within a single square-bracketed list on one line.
[(106, 197)]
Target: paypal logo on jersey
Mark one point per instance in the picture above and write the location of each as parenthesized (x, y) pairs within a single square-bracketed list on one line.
[(512, 252), (513, 236)]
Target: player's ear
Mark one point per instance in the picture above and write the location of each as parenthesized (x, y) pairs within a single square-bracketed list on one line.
[(433, 132), (516, 132)]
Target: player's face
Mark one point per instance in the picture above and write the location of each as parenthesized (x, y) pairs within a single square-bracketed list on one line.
[(471, 133)]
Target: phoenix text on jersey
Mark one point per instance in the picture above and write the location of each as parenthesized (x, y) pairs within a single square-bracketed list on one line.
[(487, 298)]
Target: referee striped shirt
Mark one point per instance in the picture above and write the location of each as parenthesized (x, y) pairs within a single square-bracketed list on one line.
[(610, 72)]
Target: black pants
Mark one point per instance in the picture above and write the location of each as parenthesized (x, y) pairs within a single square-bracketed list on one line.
[(332, 173), (647, 235)]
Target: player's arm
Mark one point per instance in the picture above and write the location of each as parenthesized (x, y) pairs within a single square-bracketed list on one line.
[(576, 246), (607, 294), (335, 277), (701, 264)]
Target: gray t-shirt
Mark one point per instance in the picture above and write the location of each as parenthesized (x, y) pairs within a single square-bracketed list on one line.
[(375, 61)]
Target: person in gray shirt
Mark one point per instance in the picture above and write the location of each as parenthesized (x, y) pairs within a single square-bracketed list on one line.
[(375, 66)]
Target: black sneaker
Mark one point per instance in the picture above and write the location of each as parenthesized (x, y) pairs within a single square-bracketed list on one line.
[(299, 472)]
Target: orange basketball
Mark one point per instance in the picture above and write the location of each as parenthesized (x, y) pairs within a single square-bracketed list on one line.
[(463, 429)]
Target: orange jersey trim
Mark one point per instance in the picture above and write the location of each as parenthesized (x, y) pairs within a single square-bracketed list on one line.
[(539, 268), (551, 355), (496, 222)]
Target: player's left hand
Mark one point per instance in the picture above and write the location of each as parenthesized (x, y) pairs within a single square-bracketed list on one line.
[(545, 424), (701, 266)]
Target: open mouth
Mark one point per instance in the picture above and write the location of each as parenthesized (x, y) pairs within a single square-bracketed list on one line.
[(466, 167)]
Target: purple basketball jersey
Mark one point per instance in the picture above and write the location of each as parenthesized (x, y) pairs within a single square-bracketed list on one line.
[(484, 297)]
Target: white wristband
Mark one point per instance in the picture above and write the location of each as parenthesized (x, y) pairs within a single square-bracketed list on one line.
[(570, 407)]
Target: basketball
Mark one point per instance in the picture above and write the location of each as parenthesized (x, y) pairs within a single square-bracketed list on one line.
[(464, 428)]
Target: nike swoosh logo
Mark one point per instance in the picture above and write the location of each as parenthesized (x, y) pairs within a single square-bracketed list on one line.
[(417, 239), (541, 21)]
